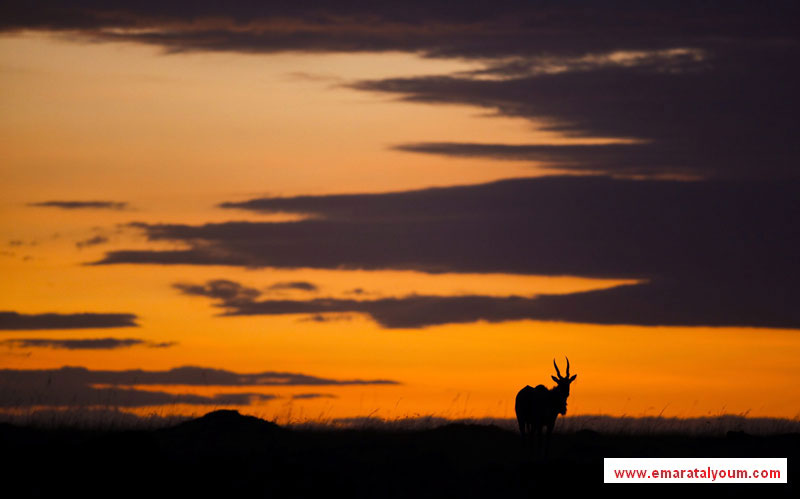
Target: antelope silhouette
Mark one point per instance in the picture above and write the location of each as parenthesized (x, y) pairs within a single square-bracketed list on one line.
[(539, 407)]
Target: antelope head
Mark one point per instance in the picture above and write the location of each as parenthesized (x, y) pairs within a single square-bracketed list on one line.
[(563, 383)]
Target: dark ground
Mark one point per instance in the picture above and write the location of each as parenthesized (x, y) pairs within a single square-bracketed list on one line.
[(224, 454)]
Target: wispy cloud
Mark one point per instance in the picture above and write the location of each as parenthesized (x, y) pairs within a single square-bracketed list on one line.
[(301, 396), (93, 241), (82, 205)]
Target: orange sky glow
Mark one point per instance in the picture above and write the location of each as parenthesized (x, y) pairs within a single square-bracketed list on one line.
[(175, 135)]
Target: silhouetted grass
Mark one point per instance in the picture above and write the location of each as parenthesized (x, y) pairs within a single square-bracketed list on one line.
[(230, 454), (105, 418), (90, 418)]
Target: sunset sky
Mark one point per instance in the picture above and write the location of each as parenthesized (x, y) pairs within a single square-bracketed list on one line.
[(332, 209)]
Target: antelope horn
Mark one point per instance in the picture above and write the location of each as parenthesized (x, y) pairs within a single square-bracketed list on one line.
[(567, 365), (556, 366)]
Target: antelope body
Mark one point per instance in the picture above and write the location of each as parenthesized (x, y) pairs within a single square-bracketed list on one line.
[(539, 407)]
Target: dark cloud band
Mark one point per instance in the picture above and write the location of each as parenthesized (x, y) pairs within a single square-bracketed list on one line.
[(663, 303), (727, 114), (708, 252), (590, 226), (16, 321), (84, 344), (704, 85), (433, 27)]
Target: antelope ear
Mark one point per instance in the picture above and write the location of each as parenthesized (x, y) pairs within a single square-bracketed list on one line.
[(573, 378), (554, 379)]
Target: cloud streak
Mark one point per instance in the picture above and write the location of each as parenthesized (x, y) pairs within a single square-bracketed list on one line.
[(84, 344), (10, 320), (83, 205), (592, 226), (187, 375), (294, 285), (82, 387), (663, 303)]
